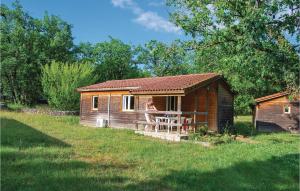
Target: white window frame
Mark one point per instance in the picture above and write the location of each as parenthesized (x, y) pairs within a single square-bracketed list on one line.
[(93, 101), (289, 109), (126, 102), (169, 106)]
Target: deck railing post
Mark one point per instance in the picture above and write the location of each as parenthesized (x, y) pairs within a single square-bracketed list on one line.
[(179, 115), (206, 106), (195, 110), (108, 110)]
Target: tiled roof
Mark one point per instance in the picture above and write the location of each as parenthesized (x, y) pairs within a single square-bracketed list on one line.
[(154, 84), (269, 97)]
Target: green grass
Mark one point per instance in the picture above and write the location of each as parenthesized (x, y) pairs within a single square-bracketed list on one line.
[(40, 152), (243, 125), (15, 106), (18, 107)]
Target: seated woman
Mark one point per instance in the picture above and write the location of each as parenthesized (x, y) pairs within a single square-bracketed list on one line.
[(149, 118)]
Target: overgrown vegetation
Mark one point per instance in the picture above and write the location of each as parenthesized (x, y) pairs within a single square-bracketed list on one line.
[(40, 152), (112, 60), (203, 135), (60, 81), (244, 125), (27, 44), (213, 138), (160, 59), (254, 44), (15, 106)]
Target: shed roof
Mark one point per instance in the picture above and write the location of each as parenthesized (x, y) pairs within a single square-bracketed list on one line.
[(172, 84), (269, 97)]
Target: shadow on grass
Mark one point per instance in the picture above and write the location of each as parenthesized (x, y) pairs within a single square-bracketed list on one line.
[(55, 170), (65, 175), (32, 160), (17, 134), (277, 173), (245, 128)]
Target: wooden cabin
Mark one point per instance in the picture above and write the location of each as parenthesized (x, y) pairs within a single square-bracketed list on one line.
[(205, 99), (276, 112)]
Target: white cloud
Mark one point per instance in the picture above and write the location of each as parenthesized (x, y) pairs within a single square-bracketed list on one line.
[(156, 4), (148, 19), (129, 4), (120, 3), (153, 21)]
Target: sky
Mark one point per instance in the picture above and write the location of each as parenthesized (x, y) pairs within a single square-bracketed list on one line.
[(132, 21)]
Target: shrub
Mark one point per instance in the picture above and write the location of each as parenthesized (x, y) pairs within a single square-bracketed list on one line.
[(212, 138), (203, 130), (60, 81), (225, 138), (194, 136), (15, 106), (244, 125)]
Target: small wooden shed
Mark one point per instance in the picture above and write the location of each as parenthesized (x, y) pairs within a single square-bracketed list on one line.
[(204, 98), (276, 112)]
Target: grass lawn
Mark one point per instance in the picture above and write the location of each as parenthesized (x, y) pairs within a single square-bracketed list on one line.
[(40, 152)]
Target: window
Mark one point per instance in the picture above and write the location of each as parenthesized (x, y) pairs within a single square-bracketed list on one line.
[(171, 103), (287, 109), (128, 103), (95, 103)]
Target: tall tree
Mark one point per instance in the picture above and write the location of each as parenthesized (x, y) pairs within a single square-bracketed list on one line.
[(26, 44), (246, 41), (60, 81), (161, 59), (84, 52), (113, 59)]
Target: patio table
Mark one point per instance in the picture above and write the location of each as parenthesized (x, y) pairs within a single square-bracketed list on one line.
[(159, 119)]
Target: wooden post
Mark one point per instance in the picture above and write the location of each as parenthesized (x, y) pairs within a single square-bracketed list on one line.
[(80, 111), (108, 110), (206, 106), (195, 110), (179, 115), (136, 108)]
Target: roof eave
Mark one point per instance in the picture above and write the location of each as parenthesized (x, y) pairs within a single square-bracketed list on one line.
[(201, 84), (159, 92), (105, 89), (270, 97)]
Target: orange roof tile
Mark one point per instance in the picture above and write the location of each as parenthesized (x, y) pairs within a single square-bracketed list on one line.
[(269, 97), (153, 84)]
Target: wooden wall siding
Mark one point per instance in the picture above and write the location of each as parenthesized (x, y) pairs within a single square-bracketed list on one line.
[(188, 103), (225, 107), (118, 118), (102, 104), (212, 107), (206, 99), (115, 104), (270, 115), (89, 116), (142, 102), (160, 102)]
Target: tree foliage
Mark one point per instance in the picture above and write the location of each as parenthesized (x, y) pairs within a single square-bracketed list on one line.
[(160, 59), (246, 41), (26, 44), (253, 43), (113, 59), (60, 81)]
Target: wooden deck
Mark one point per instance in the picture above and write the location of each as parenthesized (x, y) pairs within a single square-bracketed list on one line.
[(164, 135)]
